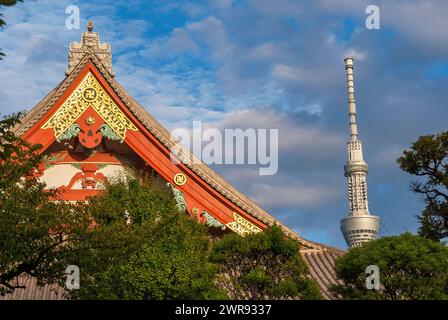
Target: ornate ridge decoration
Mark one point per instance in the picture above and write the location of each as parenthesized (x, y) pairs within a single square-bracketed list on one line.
[(241, 226), (211, 221), (89, 93), (179, 197), (90, 44)]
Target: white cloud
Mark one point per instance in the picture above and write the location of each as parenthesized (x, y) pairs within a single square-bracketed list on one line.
[(358, 55), (422, 22), (179, 41), (292, 136), (295, 196), (266, 64)]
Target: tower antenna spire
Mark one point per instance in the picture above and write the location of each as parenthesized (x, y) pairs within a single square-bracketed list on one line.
[(351, 97), (359, 226)]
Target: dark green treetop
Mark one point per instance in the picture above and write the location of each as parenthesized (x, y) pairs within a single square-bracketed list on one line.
[(427, 160), (266, 265), (410, 267)]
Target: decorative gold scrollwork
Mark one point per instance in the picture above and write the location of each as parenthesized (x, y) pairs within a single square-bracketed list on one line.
[(89, 93), (242, 226)]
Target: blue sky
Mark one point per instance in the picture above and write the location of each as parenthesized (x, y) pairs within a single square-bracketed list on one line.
[(264, 64)]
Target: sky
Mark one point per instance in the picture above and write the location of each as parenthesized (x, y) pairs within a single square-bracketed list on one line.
[(264, 64)]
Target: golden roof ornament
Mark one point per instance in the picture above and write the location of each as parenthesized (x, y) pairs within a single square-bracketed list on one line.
[(90, 44)]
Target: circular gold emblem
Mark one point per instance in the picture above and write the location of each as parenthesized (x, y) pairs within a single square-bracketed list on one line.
[(180, 179), (89, 94)]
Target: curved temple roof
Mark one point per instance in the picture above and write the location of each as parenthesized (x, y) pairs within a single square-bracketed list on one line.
[(319, 257)]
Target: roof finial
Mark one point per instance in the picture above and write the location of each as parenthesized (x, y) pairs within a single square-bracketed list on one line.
[(90, 44)]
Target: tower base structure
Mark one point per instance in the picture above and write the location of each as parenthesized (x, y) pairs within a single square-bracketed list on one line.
[(359, 229)]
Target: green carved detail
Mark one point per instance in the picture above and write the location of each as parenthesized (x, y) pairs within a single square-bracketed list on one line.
[(211, 221), (50, 159), (71, 132), (108, 133), (79, 165), (76, 165), (179, 197)]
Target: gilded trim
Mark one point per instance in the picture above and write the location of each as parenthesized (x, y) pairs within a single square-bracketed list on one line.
[(242, 226), (89, 93)]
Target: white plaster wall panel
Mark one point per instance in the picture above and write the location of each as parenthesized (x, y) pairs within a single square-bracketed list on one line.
[(59, 175)]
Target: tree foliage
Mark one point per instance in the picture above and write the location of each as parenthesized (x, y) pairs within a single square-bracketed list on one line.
[(265, 265), (410, 267), (9, 142), (160, 253), (36, 233), (131, 242), (428, 160)]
